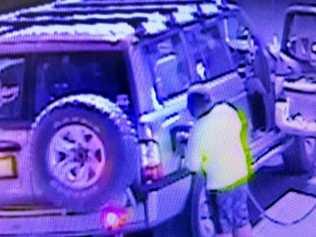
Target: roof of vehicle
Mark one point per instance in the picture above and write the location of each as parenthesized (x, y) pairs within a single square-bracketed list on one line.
[(302, 8), (106, 21)]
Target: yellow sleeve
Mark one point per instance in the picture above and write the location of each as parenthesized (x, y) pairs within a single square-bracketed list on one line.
[(244, 141)]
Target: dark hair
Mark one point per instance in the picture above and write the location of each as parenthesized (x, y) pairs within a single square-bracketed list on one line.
[(199, 102)]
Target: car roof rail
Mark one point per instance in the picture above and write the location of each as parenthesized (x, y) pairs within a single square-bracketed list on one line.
[(100, 3), (102, 11), (133, 21), (9, 26), (136, 17), (165, 10)]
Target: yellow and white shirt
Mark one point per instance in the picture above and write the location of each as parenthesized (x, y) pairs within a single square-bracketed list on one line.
[(215, 143)]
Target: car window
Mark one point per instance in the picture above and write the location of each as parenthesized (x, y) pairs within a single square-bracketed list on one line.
[(240, 39), (209, 51), (234, 29), (60, 75), (215, 53), (301, 41), (194, 42), (169, 67), (11, 88)]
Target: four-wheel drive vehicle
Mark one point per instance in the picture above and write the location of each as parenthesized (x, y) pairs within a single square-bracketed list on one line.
[(93, 113), (295, 82)]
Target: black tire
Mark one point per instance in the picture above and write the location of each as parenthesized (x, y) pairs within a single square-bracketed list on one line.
[(301, 156), (188, 223), (118, 139)]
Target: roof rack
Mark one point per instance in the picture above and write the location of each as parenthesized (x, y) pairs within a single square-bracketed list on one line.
[(17, 25), (105, 11), (141, 17), (100, 3), (170, 13), (195, 10)]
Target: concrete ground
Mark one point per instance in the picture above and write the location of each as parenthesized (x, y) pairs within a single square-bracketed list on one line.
[(286, 198)]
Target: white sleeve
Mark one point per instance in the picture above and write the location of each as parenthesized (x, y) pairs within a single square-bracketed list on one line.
[(193, 156)]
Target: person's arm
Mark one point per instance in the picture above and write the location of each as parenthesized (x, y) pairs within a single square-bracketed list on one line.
[(193, 152)]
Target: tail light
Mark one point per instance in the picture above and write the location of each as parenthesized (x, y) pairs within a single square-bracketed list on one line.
[(151, 163), (114, 217), (8, 165)]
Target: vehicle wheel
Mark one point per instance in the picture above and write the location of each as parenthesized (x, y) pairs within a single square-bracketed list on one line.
[(301, 156), (84, 153), (195, 221)]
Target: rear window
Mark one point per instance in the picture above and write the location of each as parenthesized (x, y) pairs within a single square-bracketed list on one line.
[(60, 75), (11, 88)]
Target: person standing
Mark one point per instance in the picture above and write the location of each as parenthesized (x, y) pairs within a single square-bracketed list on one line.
[(218, 147)]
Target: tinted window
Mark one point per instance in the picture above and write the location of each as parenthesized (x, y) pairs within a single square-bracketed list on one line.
[(11, 88), (235, 29), (194, 43), (210, 49), (239, 38), (169, 67), (60, 75)]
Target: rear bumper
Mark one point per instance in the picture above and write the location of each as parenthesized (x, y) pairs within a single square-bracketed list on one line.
[(57, 223), (164, 200)]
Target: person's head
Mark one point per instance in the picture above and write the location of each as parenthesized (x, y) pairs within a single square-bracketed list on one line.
[(199, 101)]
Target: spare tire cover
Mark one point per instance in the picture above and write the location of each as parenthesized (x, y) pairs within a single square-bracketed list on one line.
[(84, 153)]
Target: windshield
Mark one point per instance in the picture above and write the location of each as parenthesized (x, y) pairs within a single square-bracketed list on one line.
[(301, 38), (60, 75)]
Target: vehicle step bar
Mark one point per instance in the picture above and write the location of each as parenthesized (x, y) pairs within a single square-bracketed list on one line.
[(272, 153)]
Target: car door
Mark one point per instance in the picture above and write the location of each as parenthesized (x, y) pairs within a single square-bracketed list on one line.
[(221, 75), (254, 70), (208, 48), (253, 66), (14, 132)]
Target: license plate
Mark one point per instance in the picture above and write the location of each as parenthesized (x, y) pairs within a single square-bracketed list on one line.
[(8, 167)]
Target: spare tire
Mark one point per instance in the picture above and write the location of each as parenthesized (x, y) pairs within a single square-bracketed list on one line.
[(84, 153)]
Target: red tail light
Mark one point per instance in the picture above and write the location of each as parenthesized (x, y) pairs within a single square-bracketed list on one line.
[(113, 218)]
